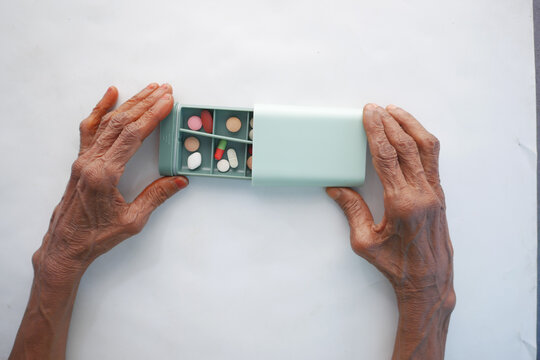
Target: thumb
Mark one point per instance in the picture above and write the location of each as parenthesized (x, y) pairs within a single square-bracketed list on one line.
[(359, 217), (157, 192), (353, 205)]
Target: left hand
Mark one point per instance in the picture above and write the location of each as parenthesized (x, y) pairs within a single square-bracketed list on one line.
[(92, 216)]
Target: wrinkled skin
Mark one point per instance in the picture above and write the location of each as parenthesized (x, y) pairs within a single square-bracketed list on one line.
[(92, 216), (411, 245)]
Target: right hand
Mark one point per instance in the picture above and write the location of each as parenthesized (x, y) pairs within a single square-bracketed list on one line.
[(411, 245)]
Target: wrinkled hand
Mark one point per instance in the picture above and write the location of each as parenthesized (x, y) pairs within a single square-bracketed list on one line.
[(411, 245), (92, 216)]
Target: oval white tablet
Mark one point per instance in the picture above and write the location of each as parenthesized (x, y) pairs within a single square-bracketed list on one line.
[(251, 134), (223, 165), (233, 160), (194, 160)]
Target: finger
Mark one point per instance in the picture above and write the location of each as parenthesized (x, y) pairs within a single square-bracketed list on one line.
[(428, 145), (359, 217), (132, 135), (384, 155), (89, 126), (407, 151), (126, 106), (119, 120), (156, 193)]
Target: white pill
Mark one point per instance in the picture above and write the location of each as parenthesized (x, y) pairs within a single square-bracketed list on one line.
[(251, 134), (251, 122), (194, 160), (223, 165), (233, 160)]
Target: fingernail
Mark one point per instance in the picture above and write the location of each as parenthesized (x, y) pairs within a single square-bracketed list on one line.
[(392, 107), (165, 86), (181, 182), (152, 86), (370, 107), (334, 193), (166, 97)]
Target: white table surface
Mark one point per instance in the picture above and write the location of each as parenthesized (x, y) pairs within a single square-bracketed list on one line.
[(227, 271)]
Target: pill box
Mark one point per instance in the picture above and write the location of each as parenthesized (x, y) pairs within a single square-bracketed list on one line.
[(291, 145)]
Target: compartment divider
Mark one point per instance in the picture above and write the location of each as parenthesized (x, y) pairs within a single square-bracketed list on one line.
[(214, 121), (202, 133), (212, 155), (246, 169), (248, 115)]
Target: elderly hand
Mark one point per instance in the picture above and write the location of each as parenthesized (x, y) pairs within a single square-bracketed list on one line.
[(411, 245), (92, 216)]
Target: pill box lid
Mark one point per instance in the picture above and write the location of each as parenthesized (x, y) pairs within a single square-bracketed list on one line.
[(308, 146)]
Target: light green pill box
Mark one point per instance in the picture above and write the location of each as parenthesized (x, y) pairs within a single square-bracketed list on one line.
[(291, 146)]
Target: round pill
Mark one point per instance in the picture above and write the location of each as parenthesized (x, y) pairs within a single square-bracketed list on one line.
[(223, 165), (233, 124), (251, 122), (207, 121), (194, 160), (194, 123), (233, 159), (249, 162), (192, 144), (251, 134)]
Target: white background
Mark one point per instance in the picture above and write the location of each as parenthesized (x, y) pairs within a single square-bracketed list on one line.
[(227, 271)]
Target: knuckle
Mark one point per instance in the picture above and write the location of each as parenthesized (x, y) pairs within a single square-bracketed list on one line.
[(431, 203), (99, 109), (77, 167), (432, 144), (386, 154), (133, 226), (407, 145), (92, 175), (149, 101), (150, 113), (131, 133), (36, 259), (83, 126), (119, 120)]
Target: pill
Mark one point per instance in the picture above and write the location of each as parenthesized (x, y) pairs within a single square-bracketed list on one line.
[(194, 123), (251, 134), (194, 160), (207, 121), (250, 149), (233, 159), (220, 149), (192, 144), (233, 124), (223, 165), (249, 162), (251, 122)]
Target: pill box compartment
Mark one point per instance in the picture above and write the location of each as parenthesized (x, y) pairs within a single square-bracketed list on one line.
[(205, 149), (187, 112), (220, 120), (240, 149)]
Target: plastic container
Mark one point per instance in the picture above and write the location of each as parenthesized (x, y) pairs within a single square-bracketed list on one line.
[(291, 146)]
